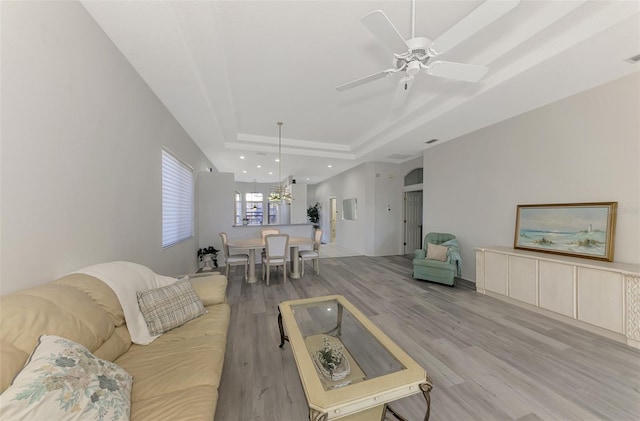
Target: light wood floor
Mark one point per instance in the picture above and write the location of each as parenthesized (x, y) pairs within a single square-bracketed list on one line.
[(330, 250), (488, 360)]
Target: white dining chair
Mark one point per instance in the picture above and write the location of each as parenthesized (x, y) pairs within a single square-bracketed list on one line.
[(268, 231), (233, 259), (312, 254), (263, 233), (276, 247)]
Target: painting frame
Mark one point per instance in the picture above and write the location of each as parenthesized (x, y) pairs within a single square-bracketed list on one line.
[(585, 230)]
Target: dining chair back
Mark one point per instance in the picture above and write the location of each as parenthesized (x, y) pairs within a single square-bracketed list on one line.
[(268, 231), (233, 259), (312, 254), (276, 247), (263, 233)]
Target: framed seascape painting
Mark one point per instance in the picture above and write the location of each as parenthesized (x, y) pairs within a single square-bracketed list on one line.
[(572, 229)]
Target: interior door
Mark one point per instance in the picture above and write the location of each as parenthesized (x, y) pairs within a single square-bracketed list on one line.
[(333, 211), (412, 221)]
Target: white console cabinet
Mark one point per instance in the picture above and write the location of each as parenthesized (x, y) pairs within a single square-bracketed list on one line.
[(602, 297)]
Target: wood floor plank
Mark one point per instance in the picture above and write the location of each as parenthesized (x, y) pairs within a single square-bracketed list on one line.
[(489, 360)]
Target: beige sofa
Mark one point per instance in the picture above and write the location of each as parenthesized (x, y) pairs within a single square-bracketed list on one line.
[(175, 377)]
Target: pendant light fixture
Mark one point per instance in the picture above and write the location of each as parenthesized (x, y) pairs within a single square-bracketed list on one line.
[(255, 190), (278, 193)]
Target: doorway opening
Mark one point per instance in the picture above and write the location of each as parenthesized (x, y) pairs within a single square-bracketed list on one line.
[(413, 211)]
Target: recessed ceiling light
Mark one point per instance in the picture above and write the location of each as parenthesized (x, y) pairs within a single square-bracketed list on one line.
[(241, 156), (308, 179), (258, 166), (244, 171), (277, 160), (270, 173), (329, 166)]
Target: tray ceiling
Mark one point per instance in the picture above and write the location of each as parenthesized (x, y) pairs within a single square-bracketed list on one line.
[(229, 70)]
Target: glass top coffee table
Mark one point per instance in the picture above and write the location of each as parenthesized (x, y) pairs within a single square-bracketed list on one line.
[(348, 367)]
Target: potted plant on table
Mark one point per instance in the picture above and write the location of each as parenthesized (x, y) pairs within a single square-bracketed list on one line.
[(208, 256), (331, 361), (313, 213)]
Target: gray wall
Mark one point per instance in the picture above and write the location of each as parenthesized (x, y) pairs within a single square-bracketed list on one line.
[(81, 151), (349, 184), (377, 186), (216, 192), (584, 148)]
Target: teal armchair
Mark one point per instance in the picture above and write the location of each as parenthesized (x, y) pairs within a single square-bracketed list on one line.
[(435, 270)]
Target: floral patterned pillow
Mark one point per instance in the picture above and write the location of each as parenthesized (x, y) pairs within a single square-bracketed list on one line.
[(62, 380)]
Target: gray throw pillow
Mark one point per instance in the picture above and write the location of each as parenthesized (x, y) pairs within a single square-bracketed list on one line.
[(169, 307)]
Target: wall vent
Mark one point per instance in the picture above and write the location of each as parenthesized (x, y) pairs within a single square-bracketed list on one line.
[(431, 141), (634, 59)]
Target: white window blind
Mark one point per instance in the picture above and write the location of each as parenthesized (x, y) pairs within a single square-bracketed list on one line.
[(238, 215), (253, 209), (177, 200)]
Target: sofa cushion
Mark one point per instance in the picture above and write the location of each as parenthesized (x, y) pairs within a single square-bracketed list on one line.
[(126, 279), (11, 362), (175, 366), (194, 404), (98, 291), (53, 309), (210, 289), (214, 323), (191, 355), (116, 345), (64, 381), (436, 252), (168, 307)]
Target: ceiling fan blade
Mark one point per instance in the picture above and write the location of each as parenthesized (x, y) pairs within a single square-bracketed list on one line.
[(402, 92), (482, 16), (366, 79), (458, 71), (380, 26)]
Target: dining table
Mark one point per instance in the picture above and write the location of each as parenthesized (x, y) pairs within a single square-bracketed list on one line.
[(253, 244)]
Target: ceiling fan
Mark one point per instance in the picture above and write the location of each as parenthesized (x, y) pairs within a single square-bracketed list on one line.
[(417, 53)]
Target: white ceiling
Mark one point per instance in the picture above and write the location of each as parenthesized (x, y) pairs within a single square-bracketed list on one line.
[(229, 70)]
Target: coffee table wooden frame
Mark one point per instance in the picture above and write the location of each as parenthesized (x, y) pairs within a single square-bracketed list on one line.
[(347, 402)]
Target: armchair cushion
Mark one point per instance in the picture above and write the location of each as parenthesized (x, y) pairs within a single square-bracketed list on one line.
[(437, 252)]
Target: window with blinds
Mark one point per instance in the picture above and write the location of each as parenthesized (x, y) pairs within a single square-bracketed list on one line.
[(238, 208), (273, 210), (177, 200), (253, 209)]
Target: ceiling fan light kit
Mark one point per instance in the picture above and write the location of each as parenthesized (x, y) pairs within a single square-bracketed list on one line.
[(415, 54)]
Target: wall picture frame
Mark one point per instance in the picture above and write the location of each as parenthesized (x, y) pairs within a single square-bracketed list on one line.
[(350, 209), (572, 229)]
